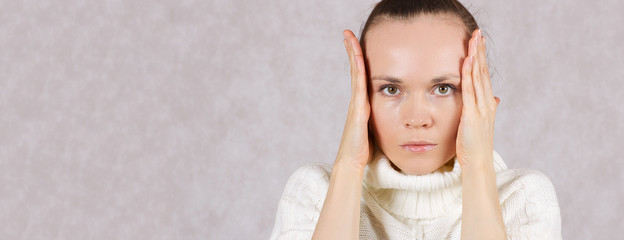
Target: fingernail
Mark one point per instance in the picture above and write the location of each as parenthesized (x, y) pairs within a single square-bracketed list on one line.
[(479, 32)]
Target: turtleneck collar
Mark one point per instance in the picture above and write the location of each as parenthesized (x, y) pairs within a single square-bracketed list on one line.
[(416, 196)]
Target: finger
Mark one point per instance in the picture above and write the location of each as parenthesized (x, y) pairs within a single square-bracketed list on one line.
[(487, 82), (468, 99), (359, 74), (355, 45), (476, 76), (349, 52), (482, 56), (351, 63)]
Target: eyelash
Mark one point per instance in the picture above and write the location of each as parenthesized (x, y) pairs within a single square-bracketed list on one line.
[(453, 89)]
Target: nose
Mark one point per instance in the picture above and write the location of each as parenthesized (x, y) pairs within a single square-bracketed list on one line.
[(416, 112)]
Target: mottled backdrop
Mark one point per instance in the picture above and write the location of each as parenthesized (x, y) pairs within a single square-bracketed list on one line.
[(184, 119)]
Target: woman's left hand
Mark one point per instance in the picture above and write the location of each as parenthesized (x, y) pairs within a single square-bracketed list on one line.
[(475, 135), (481, 214)]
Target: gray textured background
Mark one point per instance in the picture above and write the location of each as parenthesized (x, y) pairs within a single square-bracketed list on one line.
[(184, 119)]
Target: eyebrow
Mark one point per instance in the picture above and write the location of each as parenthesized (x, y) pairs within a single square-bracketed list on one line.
[(398, 81)]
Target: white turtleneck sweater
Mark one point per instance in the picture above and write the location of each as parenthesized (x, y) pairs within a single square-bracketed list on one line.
[(399, 206)]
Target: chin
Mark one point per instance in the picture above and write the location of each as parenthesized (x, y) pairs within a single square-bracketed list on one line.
[(419, 164)]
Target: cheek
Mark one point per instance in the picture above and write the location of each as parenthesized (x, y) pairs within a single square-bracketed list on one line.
[(449, 107), (383, 110), (448, 116), (385, 118)]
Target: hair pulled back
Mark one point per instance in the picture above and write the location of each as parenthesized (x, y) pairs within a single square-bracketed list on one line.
[(407, 9)]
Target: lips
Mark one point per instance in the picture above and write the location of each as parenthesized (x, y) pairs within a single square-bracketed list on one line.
[(418, 146)]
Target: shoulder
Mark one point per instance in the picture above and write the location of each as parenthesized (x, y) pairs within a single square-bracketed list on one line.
[(301, 202), (321, 170), (310, 182), (529, 204), (534, 184)]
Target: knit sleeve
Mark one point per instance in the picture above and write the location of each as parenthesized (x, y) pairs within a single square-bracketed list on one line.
[(301, 202), (536, 213)]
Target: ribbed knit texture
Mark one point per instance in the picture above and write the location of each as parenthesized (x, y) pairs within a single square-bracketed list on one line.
[(399, 206)]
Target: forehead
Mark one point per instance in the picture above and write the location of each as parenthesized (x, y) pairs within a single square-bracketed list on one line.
[(422, 47)]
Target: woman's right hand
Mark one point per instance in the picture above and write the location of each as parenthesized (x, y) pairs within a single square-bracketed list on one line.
[(340, 216), (356, 145)]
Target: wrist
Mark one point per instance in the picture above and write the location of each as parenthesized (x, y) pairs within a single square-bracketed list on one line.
[(348, 168), (478, 169), (476, 163)]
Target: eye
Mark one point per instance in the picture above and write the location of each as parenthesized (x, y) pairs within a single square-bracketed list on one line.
[(445, 89), (389, 90)]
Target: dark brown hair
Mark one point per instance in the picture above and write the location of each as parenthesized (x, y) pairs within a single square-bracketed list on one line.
[(407, 9)]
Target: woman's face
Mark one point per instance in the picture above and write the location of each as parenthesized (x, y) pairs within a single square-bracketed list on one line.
[(414, 69)]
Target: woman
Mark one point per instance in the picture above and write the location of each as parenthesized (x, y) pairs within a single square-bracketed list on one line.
[(416, 159)]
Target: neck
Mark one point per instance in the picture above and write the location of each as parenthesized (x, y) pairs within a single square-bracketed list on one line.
[(414, 197)]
